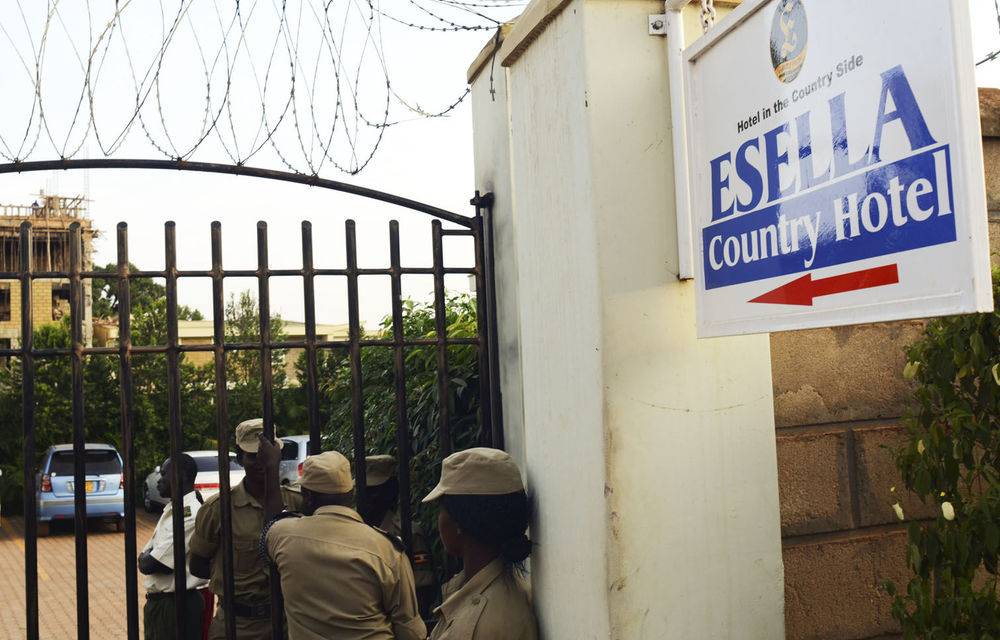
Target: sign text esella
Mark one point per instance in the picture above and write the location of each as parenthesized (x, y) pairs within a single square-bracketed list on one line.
[(836, 165)]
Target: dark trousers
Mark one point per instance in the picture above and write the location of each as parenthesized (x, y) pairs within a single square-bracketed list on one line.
[(159, 618)]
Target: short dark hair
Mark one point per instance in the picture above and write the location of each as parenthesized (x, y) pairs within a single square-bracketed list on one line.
[(501, 520), (188, 467), (335, 499)]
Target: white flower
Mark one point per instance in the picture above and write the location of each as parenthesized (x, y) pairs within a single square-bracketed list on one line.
[(996, 373), (920, 447), (947, 511), (911, 368), (899, 510)]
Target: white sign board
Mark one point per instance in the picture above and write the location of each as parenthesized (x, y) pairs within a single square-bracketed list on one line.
[(836, 165)]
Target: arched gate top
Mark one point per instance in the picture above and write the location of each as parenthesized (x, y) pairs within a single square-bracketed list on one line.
[(239, 170)]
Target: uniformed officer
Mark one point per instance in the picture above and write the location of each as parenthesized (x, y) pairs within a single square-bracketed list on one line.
[(252, 594), (482, 519), (382, 489), (156, 561), (340, 577)]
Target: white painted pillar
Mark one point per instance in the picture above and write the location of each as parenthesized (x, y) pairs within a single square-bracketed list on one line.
[(650, 453)]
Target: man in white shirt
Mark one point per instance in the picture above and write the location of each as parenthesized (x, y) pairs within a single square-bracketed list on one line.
[(157, 562)]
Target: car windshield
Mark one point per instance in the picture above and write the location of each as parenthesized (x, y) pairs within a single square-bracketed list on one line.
[(96, 463), (211, 463), (289, 450)]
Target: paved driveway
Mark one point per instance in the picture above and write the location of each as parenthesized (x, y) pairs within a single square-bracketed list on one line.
[(57, 579)]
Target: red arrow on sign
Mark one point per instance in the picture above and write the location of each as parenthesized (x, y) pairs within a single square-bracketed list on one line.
[(802, 290)]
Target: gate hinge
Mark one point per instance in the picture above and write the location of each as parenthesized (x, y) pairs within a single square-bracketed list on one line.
[(484, 200), (658, 24)]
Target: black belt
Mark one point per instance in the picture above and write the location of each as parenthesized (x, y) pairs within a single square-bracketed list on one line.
[(166, 594), (257, 610)]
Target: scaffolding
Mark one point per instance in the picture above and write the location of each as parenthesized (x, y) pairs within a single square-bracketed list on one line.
[(50, 218)]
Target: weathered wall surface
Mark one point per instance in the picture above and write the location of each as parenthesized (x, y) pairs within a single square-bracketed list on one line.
[(838, 397)]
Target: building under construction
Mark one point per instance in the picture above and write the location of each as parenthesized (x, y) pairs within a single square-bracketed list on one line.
[(50, 218)]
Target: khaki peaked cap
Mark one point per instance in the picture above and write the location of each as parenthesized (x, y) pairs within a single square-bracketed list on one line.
[(248, 435), (477, 472), (327, 472), (379, 470)]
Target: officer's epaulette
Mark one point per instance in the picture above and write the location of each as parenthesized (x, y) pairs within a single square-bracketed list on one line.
[(395, 540)]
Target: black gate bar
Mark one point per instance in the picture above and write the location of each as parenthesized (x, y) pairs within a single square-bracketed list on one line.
[(27, 353), (354, 335), (476, 229), (238, 170), (222, 433), (399, 370), (79, 433), (128, 444), (174, 422), (309, 303), (441, 332)]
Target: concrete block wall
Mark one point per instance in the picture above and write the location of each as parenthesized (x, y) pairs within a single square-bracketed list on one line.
[(41, 292), (839, 395)]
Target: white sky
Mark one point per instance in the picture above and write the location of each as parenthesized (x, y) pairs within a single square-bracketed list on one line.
[(428, 160)]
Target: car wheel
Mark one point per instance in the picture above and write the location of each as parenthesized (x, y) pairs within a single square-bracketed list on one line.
[(120, 525), (147, 503), (44, 528)]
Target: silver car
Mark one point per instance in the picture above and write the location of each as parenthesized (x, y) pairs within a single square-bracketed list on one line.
[(293, 453), (206, 482)]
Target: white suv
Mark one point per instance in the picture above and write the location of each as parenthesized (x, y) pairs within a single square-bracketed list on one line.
[(294, 450)]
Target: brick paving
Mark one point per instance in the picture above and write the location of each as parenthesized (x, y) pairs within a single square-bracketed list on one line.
[(57, 579)]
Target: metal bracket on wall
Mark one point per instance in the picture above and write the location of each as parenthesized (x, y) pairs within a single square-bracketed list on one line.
[(658, 24)]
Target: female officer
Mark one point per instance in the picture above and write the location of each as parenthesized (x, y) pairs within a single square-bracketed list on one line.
[(482, 518)]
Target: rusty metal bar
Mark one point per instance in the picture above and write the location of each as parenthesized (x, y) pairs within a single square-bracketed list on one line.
[(441, 333), (174, 421), (252, 273), (264, 316), (484, 371), (239, 346), (267, 396), (222, 429), (484, 207), (128, 444), (240, 170), (79, 434), (354, 334), (28, 433), (489, 400), (399, 370), (309, 295)]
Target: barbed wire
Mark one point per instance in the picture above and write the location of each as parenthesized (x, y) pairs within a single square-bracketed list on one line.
[(305, 84), (994, 55)]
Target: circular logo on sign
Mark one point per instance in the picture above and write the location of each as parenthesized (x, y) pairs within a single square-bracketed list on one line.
[(789, 36)]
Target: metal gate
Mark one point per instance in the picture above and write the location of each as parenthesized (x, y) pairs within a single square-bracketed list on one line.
[(477, 228)]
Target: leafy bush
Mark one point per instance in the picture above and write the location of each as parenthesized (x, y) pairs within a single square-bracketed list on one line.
[(150, 413), (952, 459), (422, 401)]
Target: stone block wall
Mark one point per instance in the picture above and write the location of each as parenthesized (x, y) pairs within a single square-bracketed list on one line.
[(839, 395)]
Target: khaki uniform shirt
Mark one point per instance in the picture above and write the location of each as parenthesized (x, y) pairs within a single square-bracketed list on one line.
[(250, 572), (161, 546), (423, 568), (493, 605), (342, 579)]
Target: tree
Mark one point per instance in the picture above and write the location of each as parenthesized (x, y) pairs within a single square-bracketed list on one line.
[(53, 409), (243, 367), (142, 291), (101, 395), (423, 405), (952, 458)]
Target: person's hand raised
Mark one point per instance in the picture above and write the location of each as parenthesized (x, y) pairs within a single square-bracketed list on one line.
[(269, 453)]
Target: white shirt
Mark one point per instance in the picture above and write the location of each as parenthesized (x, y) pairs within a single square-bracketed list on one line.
[(161, 547)]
